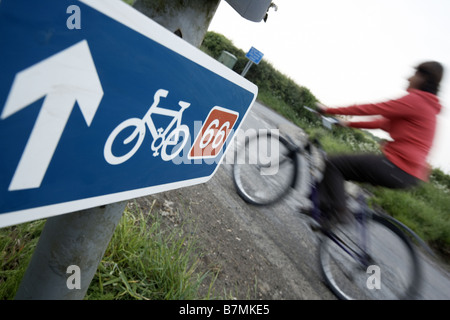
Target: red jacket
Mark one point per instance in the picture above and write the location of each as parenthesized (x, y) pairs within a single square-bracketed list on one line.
[(411, 123)]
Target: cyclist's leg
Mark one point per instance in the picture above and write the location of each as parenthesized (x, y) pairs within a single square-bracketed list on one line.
[(331, 191), (369, 168), (374, 169)]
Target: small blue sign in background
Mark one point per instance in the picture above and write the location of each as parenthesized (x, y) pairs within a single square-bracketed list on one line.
[(254, 55)]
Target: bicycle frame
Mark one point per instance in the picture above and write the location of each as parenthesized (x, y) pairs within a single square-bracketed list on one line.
[(362, 257), (154, 109)]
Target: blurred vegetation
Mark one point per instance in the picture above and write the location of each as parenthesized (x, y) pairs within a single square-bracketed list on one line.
[(424, 209)]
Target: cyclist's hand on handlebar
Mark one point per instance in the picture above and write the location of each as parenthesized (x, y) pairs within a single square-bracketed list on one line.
[(321, 108), (342, 123)]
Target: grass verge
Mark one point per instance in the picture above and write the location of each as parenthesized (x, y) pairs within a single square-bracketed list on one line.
[(147, 262), (143, 261), (17, 244)]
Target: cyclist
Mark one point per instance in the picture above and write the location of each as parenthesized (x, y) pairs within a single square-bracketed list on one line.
[(411, 123)]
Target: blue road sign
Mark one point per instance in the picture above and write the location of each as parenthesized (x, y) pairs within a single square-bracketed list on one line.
[(254, 55), (100, 104)]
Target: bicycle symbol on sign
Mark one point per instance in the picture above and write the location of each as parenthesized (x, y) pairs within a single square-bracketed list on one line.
[(162, 137)]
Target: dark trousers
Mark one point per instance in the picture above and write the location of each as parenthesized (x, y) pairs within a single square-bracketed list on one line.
[(374, 169)]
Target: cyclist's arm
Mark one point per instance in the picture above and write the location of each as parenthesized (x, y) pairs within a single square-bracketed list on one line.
[(381, 123), (388, 109)]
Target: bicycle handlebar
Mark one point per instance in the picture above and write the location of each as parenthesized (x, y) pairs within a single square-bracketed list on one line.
[(327, 122)]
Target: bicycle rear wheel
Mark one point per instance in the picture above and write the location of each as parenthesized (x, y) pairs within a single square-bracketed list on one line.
[(265, 169), (390, 272)]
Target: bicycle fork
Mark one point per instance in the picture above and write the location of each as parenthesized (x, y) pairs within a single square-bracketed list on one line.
[(361, 252), (357, 248)]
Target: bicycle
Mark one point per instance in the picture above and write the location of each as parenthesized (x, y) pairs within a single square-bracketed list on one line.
[(162, 137), (371, 257)]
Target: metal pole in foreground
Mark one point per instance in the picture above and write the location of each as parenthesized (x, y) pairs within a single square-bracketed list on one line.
[(77, 240)]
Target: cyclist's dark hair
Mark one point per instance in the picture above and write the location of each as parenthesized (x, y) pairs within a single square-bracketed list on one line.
[(432, 73)]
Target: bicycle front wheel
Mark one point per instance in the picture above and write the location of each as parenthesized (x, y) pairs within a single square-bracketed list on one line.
[(265, 169), (375, 262)]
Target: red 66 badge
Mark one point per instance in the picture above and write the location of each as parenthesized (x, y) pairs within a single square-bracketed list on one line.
[(214, 133)]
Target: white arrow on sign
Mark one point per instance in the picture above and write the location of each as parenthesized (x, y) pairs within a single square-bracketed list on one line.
[(64, 78)]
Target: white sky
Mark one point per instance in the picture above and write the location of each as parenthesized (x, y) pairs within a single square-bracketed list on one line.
[(351, 51)]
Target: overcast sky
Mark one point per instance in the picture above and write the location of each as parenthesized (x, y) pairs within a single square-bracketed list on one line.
[(351, 51)]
